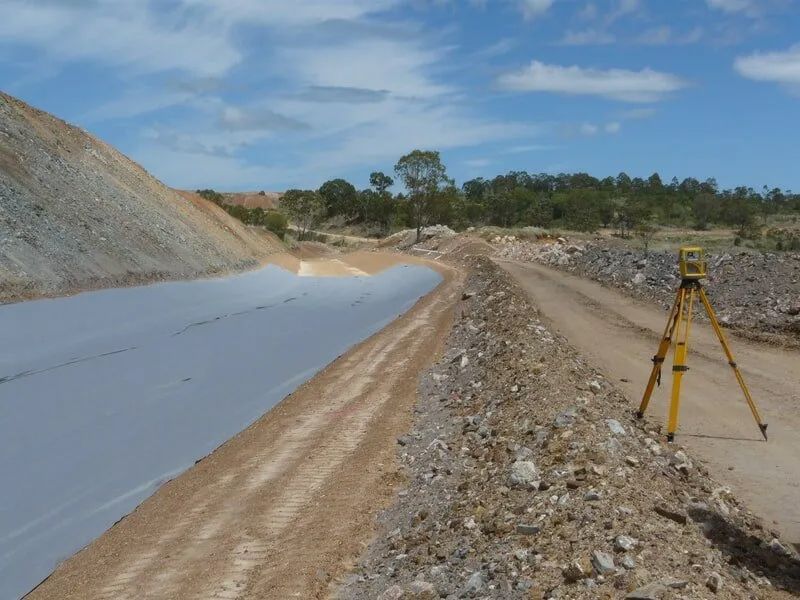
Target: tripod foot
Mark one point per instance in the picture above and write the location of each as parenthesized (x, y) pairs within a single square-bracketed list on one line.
[(763, 428), (639, 414), (670, 437)]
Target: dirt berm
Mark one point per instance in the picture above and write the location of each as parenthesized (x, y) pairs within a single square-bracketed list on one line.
[(529, 478), (75, 214)]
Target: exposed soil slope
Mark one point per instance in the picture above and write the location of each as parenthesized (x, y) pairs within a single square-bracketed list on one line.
[(76, 214), (267, 200)]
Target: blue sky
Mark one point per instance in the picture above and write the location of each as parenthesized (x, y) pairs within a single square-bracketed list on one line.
[(269, 94)]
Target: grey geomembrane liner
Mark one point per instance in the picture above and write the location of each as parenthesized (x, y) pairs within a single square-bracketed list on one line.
[(106, 395)]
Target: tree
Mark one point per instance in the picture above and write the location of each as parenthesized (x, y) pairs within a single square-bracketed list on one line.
[(501, 207), (378, 207), (623, 183), (213, 196), (630, 212), (339, 197), (646, 230), (705, 209), (740, 211), (304, 207), (475, 189), (580, 211), (422, 173), (654, 183), (380, 181), (276, 223)]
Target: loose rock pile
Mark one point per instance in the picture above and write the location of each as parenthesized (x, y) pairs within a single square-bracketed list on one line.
[(408, 237), (527, 478), (75, 215), (752, 292)]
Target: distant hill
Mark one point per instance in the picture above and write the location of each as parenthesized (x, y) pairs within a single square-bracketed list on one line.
[(265, 200), (75, 214)]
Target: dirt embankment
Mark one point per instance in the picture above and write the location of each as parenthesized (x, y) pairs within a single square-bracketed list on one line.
[(527, 478), (753, 293), (75, 214)]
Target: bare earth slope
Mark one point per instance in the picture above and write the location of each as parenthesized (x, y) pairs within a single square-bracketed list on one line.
[(267, 200), (76, 214)]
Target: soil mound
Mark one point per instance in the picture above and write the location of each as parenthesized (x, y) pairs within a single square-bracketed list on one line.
[(75, 214)]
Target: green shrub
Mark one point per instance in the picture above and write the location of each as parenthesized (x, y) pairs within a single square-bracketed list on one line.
[(213, 196), (276, 222)]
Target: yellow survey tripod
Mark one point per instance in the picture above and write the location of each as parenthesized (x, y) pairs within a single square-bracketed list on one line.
[(692, 263)]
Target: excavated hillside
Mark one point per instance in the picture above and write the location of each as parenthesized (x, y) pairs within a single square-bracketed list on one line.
[(75, 214), (265, 200)]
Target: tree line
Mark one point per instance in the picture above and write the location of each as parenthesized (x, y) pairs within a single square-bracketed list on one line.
[(575, 201), (274, 220)]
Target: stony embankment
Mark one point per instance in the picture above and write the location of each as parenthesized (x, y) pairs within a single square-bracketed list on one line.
[(76, 215), (527, 477), (755, 293)]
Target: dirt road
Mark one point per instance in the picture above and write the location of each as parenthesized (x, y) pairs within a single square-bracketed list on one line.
[(281, 509), (620, 335)]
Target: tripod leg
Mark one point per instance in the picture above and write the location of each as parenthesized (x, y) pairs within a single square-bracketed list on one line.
[(679, 365), (732, 362), (658, 359)]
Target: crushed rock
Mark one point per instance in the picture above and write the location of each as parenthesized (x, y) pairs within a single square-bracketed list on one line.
[(460, 527), (429, 237), (752, 292)]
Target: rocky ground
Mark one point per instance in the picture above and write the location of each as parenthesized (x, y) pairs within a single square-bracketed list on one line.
[(755, 293), (528, 478), (429, 238), (75, 214)]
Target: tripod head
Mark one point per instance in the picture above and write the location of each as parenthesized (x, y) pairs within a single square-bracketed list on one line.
[(692, 263)]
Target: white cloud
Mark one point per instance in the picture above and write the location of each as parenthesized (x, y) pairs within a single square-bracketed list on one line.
[(398, 129), (587, 37), (588, 12), (258, 119), (532, 9), (337, 102), (526, 148), (123, 34), (779, 67), (194, 36), (656, 36), (731, 6), (588, 129), (663, 35), (400, 67), (624, 8), (282, 13), (638, 113), (646, 85), (193, 170), (136, 102), (503, 46)]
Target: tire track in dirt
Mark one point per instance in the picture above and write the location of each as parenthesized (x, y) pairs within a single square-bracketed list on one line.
[(287, 499)]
